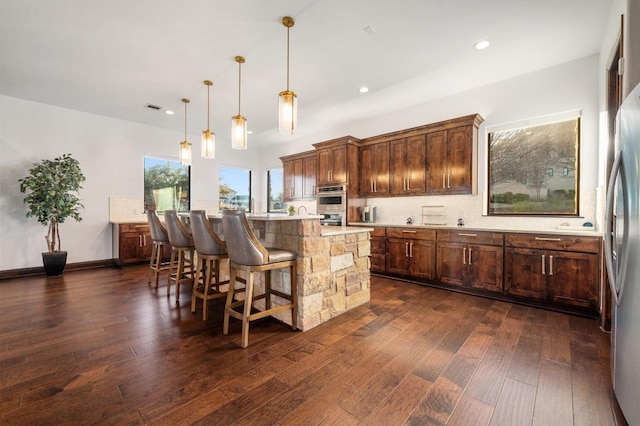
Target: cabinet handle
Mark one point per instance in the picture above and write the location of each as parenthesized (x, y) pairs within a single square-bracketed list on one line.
[(470, 256), (463, 234), (407, 231), (543, 269), (139, 240), (144, 240), (409, 183), (375, 185), (464, 255), (410, 249), (550, 265), (406, 249), (547, 239), (448, 180), (404, 184), (371, 185), (444, 185)]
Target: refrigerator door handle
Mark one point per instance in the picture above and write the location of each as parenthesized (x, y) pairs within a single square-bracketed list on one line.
[(616, 171)]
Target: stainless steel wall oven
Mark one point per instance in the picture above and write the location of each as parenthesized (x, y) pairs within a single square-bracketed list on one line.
[(332, 204)]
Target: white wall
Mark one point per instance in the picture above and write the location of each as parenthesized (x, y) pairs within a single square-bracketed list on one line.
[(110, 153), (566, 87)]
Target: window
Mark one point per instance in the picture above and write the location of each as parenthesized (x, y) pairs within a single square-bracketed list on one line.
[(275, 181), (521, 164), (166, 185), (235, 188)]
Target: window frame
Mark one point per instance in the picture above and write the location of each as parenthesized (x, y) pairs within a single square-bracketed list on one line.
[(524, 203), (174, 163), (271, 208), (221, 205)]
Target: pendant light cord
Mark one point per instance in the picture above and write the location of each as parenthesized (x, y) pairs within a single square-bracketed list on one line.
[(208, 107), (288, 28), (239, 84)]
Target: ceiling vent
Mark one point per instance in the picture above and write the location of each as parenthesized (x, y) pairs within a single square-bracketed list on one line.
[(154, 107)]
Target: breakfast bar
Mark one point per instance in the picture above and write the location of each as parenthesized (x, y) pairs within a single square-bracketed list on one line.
[(333, 263)]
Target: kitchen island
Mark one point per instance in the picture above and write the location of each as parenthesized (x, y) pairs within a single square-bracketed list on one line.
[(333, 264)]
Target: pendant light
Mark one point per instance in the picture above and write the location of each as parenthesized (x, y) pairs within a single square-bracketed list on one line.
[(288, 100), (185, 146), (238, 122), (208, 137)]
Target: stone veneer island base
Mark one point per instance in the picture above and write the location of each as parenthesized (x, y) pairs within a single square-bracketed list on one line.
[(333, 265)]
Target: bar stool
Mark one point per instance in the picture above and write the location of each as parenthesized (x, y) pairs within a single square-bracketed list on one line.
[(210, 250), (247, 254), (159, 237), (182, 251)]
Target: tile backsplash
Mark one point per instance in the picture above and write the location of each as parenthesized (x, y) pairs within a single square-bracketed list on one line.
[(471, 209)]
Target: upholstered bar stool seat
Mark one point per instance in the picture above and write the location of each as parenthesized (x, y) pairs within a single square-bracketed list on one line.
[(159, 237), (181, 267), (247, 254), (210, 250)]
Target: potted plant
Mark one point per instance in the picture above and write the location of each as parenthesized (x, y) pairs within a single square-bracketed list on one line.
[(52, 196)]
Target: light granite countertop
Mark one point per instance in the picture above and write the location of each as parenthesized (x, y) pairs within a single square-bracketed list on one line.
[(574, 230)]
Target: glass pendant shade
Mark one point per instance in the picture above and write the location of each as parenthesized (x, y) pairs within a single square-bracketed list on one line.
[(287, 112), (185, 153), (208, 144), (238, 132)]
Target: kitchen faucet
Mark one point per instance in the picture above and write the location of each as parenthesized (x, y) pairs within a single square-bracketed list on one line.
[(305, 210)]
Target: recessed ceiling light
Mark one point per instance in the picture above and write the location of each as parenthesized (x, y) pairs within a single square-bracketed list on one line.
[(249, 132), (482, 44), (363, 89), (168, 112)]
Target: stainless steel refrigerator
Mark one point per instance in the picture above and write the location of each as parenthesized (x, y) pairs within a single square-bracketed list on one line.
[(622, 251)]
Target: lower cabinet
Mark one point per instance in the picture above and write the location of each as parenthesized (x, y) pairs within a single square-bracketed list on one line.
[(411, 252), (133, 242), (378, 250), (554, 271), (535, 269), (470, 259)]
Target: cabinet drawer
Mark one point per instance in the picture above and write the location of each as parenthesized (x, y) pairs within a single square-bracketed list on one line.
[(134, 227), (474, 237), (554, 242), (379, 232), (412, 233)]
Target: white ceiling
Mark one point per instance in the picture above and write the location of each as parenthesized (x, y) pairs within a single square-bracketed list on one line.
[(113, 57)]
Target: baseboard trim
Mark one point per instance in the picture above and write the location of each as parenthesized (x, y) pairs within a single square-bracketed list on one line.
[(27, 272)]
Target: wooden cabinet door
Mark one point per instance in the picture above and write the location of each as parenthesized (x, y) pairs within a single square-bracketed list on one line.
[(310, 172), (415, 165), (523, 273), (459, 160), (382, 168), (436, 161), (339, 164), (397, 256), (423, 259), (573, 278), (485, 263), (288, 172), (451, 263), (129, 247), (367, 170), (398, 167), (324, 166)]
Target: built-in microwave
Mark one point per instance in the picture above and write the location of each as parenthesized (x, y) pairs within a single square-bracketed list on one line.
[(332, 199)]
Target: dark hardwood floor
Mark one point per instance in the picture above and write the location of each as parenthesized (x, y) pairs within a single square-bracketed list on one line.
[(103, 347)]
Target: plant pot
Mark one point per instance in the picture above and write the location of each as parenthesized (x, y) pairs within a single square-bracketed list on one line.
[(54, 263)]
